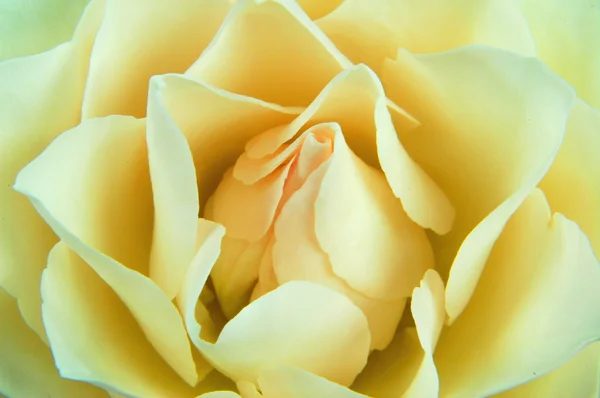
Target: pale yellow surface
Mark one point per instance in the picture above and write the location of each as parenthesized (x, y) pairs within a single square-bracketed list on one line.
[(534, 308), (25, 359), (567, 38), (573, 183), (95, 204), (270, 50), (298, 324), (139, 39), (492, 123), (30, 87), (368, 31)]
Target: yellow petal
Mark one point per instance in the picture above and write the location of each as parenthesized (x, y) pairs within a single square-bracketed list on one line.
[(371, 242), (270, 50), (296, 255), (219, 394), (31, 27), (132, 46), (319, 8), (578, 377), (566, 35), (27, 366), (403, 369), (203, 114), (298, 324), (31, 86), (482, 110), (540, 286), (578, 165), (368, 31), (291, 382), (99, 206), (93, 336), (175, 195)]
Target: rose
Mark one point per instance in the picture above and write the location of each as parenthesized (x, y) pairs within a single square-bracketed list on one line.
[(516, 288)]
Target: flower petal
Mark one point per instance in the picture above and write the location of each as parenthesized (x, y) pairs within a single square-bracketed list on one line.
[(499, 109), (34, 26), (261, 45), (298, 324), (132, 46), (578, 164), (100, 207), (578, 377), (220, 394), (566, 32), (291, 382), (26, 358), (368, 31), (93, 336), (540, 286), (31, 86)]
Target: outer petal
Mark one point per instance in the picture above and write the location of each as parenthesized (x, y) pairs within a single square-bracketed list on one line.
[(492, 124), (578, 165), (93, 336), (29, 27), (220, 394), (567, 36), (540, 287), (32, 86), (25, 358), (100, 207), (296, 383), (368, 31), (298, 324), (579, 377), (270, 50), (132, 46)]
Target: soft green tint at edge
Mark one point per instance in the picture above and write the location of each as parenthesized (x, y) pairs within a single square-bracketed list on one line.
[(32, 26)]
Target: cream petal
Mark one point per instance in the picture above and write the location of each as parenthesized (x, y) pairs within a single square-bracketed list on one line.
[(219, 394), (578, 377), (93, 336), (499, 109), (566, 34), (540, 287), (356, 101), (296, 255), (97, 205), (368, 31), (298, 324), (26, 358), (291, 382), (203, 114), (578, 165), (270, 50), (34, 26), (35, 85), (175, 195), (132, 46), (371, 242), (404, 369)]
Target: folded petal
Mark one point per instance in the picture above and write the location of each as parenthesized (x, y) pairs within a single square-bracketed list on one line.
[(578, 377), (539, 287), (298, 324), (368, 31), (101, 207), (566, 34), (25, 358), (296, 383), (40, 98), (578, 165), (132, 46), (93, 336), (492, 123), (270, 50), (34, 26), (219, 394)]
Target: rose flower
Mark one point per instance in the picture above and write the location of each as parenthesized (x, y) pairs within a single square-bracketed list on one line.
[(304, 199)]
